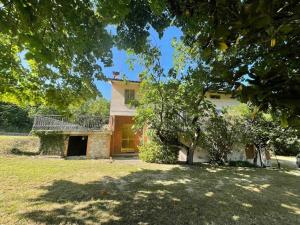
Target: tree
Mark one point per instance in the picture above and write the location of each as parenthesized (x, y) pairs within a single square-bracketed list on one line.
[(14, 118), (174, 107), (262, 130), (98, 107), (52, 51), (252, 45)]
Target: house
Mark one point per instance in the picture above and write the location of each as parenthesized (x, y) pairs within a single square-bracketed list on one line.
[(90, 139), (124, 141)]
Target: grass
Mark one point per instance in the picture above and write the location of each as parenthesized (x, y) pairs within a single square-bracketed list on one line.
[(19, 145), (56, 191)]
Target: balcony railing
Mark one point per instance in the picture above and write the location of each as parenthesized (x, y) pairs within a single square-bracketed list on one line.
[(61, 123)]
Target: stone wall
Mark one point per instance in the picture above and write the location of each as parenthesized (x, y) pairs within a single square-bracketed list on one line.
[(98, 145)]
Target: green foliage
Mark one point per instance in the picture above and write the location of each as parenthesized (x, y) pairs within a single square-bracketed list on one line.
[(154, 152), (263, 130), (249, 44), (50, 51), (93, 107), (285, 141), (51, 143), (173, 106), (218, 138), (14, 118)]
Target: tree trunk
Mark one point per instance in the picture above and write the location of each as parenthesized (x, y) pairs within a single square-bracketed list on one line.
[(260, 158), (190, 156)]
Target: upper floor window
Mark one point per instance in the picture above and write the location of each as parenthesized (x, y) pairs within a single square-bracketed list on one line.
[(129, 95)]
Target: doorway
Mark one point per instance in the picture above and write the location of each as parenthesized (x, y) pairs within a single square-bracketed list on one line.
[(127, 144), (77, 145)]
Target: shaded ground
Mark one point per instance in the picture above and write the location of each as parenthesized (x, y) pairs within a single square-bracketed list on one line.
[(56, 191)]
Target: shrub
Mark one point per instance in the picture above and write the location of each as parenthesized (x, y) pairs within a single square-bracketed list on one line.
[(51, 143), (218, 140), (153, 152)]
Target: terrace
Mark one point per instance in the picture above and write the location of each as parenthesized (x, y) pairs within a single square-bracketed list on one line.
[(62, 123)]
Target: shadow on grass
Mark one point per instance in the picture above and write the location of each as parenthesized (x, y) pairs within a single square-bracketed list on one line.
[(182, 195), (16, 151)]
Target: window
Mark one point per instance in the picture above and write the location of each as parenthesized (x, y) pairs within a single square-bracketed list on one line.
[(129, 96), (127, 138), (215, 96)]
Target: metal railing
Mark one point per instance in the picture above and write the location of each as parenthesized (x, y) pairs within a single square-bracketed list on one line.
[(61, 123)]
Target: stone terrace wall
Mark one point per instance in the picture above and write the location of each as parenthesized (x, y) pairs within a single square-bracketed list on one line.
[(98, 145)]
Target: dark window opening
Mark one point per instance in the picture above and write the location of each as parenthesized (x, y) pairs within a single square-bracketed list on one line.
[(215, 96), (77, 145)]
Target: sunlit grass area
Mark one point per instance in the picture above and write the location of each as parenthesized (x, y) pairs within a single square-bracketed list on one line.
[(57, 191)]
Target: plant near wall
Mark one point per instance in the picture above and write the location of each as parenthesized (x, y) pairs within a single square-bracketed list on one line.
[(154, 152), (285, 141), (51, 142), (264, 131), (218, 138)]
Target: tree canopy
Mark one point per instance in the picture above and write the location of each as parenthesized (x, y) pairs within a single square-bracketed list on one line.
[(253, 46)]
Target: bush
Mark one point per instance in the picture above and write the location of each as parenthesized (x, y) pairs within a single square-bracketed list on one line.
[(51, 143), (218, 139), (155, 153), (285, 148)]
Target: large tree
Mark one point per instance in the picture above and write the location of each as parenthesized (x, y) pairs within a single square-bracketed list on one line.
[(52, 51), (253, 45), (173, 104)]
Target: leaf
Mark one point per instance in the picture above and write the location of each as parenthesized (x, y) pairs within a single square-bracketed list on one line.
[(273, 42), (223, 46)]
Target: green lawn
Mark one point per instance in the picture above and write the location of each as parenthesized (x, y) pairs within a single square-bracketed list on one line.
[(56, 191)]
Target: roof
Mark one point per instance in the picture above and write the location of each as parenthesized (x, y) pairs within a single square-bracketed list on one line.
[(121, 80)]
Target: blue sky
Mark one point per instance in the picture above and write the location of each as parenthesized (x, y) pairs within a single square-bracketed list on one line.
[(120, 57)]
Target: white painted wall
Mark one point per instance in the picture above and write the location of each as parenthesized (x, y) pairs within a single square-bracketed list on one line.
[(117, 106)]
